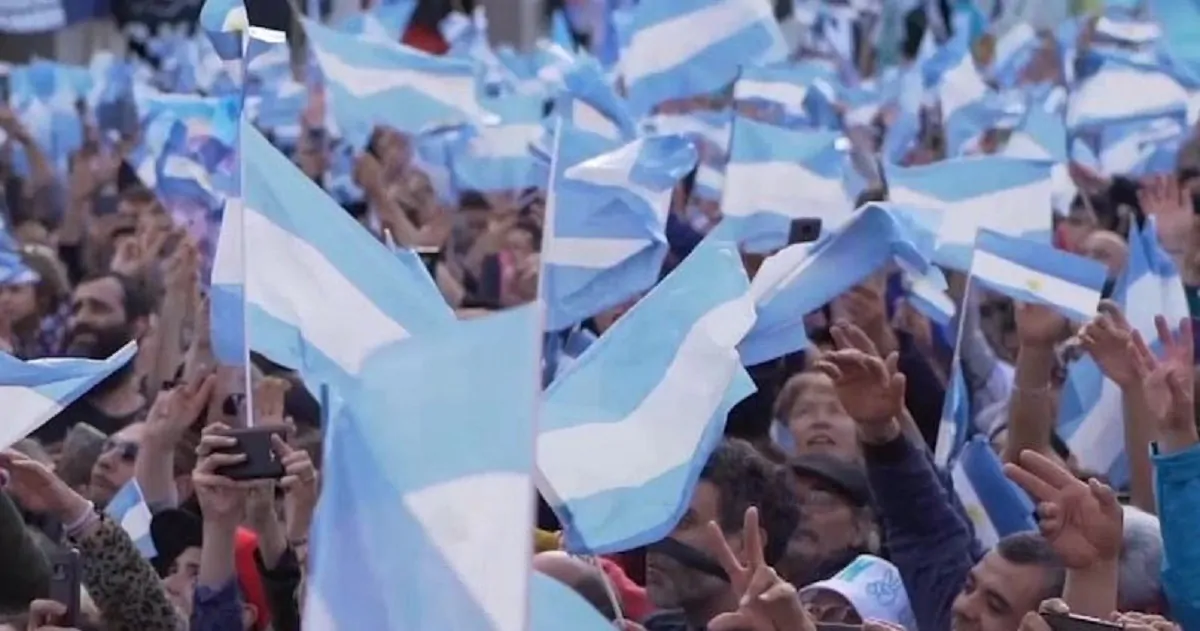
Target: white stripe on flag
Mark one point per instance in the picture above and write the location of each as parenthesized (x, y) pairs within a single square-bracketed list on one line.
[(1051, 289)]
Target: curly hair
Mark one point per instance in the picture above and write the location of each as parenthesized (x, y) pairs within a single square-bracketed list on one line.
[(744, 478)]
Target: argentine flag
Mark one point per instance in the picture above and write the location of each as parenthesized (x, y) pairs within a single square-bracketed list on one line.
[(655, 388), (433, 507), (321, 294), (33, 392), (776, 175), (607, 241), (996, 506), (129, 509), (1007, 195), (1034, 273), (373, 82), (684, 48), (1091, 412)]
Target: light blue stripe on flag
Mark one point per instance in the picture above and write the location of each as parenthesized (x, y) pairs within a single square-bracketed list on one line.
[(1038, 274)]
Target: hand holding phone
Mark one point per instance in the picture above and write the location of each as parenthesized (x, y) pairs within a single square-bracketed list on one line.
[(259, 462), (1073, 622), (65, 575)]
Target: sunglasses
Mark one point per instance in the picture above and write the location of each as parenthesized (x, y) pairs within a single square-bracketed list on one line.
[(127, 451)]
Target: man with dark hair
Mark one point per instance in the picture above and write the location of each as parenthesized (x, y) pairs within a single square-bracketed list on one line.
[(1009, 581), (107, 312), (681, 572)]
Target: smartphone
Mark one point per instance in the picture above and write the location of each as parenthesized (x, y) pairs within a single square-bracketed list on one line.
[(65, 574), (5, 87), (804, 231), (261, 463), (430, 257), (1072, 622), (837, 626)]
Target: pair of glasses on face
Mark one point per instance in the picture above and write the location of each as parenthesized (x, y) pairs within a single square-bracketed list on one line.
[(127, 451)]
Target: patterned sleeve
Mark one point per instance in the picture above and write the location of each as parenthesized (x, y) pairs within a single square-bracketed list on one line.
[(123, 584)]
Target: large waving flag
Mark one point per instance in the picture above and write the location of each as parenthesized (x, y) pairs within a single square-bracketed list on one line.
[(996, 506), (454, 537), (962, 94), (802, 278), (321, 294), (1091, 414), (775, 175), (608, 241), (32, 392), (1148, 93), (688, 48), (375, 82), (1008, 195), (656, 389)]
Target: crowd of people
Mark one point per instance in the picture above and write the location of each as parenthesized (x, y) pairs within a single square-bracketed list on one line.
[(823, 505)]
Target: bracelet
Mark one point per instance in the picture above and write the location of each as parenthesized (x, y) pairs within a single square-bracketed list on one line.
[(1036, 392), (78, 524)]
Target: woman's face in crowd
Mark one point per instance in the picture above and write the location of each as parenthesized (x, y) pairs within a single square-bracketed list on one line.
[(829, 606), (114, 467), (18, 302), (180, 581), (394, 149), (519, 243), (1080, 223), (819, 424)]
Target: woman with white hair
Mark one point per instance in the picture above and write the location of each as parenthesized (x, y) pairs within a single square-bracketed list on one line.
[(1139, 586)]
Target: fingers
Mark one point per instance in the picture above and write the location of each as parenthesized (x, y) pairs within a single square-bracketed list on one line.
[(724, 555), (752, 535), (1033, 485), (734, 621), (1105, 496), (1054, 605), (1164, 334), (1046, 469), (1113, 314), (1034, 622), (214, 461)]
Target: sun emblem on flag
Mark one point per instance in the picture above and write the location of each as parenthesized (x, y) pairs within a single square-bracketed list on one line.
[(1032, 284)]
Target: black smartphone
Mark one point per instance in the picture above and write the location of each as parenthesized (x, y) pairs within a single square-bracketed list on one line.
[(804, 231), (1072, 622), (65, 575), (5, 88), (261, 463), (430, 257)]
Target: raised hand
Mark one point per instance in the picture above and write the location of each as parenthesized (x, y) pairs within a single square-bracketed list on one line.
[(269, 399), (1107, 338), (221, 500), (1168, 383), (1164, 199), (175, 410), (301, 487), (869, 387), (1039, 326), (1135, 621), (38, 489), (766, 601), (1082, 521)]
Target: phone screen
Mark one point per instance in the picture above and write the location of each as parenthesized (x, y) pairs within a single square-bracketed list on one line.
[(65, 571), (804, 231), (1071, 622)]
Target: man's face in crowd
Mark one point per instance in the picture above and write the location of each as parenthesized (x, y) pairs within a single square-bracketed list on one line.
[(829, 525), (996, 595), (98, 326), (180, 581), (114, 467), (669, 584), (819, 424)]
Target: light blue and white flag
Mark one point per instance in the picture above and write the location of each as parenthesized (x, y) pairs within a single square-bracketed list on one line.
[(688, 48), (128, 508), (1008, 195), (454, 451), (996, 506), (1034, 273), (37, 16), (655, 388), (608, 238), (321, 294), (554, 606), (802, 278), (374, 82), (927, 294), (1091, 412), (496, 158), (1140, 148), (224, 22), (1149, 93), (386, 22), (33, 392), (776, 175), (962, 94), (1042, 135), (798, 91)]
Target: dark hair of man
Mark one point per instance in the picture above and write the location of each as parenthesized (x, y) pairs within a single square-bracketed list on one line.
[(136, 298), (1030, 548), (745, 478)]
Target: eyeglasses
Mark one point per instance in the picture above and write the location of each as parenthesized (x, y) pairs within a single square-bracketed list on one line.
[(126, 450)]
